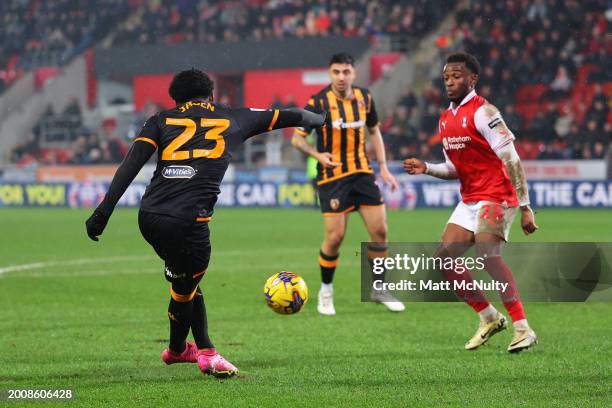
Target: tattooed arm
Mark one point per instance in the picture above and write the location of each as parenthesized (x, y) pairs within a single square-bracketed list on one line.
[(491, 125)]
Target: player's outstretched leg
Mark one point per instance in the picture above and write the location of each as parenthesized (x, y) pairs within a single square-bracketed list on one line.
[(180, 311)]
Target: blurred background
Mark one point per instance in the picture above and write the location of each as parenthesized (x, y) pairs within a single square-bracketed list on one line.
[(78, 79)]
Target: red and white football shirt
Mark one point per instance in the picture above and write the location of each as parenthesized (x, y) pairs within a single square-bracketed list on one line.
[(471, 134)]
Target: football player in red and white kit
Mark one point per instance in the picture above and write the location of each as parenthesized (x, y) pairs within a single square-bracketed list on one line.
[(479, 151)]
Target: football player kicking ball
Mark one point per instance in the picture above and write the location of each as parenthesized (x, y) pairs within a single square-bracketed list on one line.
[(480, 152), (195, 141)]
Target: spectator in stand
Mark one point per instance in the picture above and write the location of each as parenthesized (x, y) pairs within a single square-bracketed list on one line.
[(562, 83), (574, 140), (598, 113), (599, 150), (409, 101), (591, 132), (564, 121)]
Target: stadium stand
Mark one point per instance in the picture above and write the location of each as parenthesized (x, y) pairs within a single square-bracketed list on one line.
[(544, 65), (36, 33), (545, 62), (206, 21)]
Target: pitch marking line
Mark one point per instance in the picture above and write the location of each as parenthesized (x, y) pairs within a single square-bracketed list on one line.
[(118, 259)]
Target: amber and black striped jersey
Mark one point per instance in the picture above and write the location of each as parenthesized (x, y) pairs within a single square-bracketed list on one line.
[(195, 142), (343, 134)]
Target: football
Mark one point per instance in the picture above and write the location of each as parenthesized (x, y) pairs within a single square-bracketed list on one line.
[(286, 292)]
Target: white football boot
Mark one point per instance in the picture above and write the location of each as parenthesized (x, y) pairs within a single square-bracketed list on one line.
[(385, 298), (326, 302)]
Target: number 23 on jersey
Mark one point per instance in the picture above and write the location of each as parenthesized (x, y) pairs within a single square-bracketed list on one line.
[(217, 127)]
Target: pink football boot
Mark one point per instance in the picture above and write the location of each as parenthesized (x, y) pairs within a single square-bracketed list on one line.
[(189, 355), (211, 362)]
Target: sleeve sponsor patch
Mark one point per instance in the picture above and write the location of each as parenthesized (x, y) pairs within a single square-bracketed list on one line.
[(494, 122)]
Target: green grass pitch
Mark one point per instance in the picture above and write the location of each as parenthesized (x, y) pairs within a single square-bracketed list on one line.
[(92, 317)]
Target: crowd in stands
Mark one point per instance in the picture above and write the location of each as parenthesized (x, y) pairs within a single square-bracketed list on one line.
[(207, 21), (62, 138), (545, 64), (48, 33)]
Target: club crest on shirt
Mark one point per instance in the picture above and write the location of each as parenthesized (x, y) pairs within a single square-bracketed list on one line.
[(334, 203), (464, 122)]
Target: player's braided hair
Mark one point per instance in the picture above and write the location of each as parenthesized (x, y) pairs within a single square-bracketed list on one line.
[(190, 84), (470, 61)]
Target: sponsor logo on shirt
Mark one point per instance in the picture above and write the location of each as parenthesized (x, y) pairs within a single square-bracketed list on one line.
[(174, 172), (455, 142), (340, 124)]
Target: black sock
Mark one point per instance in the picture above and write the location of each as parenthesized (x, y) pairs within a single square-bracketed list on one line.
[(199, 322), (328, 265), (180, 321)]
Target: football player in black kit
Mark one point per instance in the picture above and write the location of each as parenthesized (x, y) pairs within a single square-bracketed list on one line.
[(195, 141)]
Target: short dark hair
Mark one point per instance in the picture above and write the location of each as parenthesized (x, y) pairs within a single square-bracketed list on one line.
[(470, 61), (190, 84), (342, 58)]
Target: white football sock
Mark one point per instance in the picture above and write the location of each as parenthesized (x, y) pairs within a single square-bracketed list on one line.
[(521, 324), (488, 314), (327, 287)]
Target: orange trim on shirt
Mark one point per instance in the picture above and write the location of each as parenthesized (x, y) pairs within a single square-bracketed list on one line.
[(203, 219), (146, 139), (274, 119), (182, 298)]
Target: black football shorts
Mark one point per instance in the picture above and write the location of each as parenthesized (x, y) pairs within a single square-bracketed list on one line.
[(349, 193), (183, 245)]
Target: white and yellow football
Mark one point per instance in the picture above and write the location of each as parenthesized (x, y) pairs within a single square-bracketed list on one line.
[(286, 292)]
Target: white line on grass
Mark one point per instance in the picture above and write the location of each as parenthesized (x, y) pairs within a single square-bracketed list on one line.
[(115, 259), (109, 272)]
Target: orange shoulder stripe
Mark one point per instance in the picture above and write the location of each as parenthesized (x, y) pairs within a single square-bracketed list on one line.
[(274, 119), (146, 139)]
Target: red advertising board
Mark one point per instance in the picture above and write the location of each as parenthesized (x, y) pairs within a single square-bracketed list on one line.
[(381, 63), (152, 88), (263, 86)]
